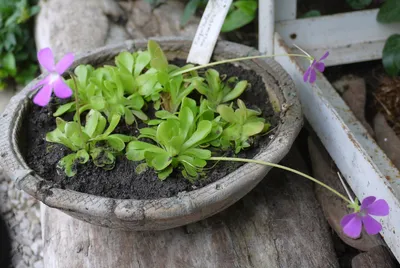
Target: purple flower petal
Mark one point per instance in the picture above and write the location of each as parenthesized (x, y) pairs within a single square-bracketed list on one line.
[(61, 89), (324, 56), (367, 201), (313, 76), (43, 96), (64, 63), (345, 220), (378, 208), (320, 66), (307, 74), (41, 82), (352, 225), (371, 225), (46, 59)]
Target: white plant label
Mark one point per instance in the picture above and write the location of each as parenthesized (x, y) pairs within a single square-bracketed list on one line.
[(208, 31)]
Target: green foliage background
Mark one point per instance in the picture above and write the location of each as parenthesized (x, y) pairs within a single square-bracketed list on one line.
[(17, 45)]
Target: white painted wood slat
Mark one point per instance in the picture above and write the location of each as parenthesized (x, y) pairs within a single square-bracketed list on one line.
[(351, 37), (358, 157)]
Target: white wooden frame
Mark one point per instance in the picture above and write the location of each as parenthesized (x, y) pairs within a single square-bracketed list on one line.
[(349, 37)]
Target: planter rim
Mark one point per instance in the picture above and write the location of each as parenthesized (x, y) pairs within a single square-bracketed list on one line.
[(143, 211)]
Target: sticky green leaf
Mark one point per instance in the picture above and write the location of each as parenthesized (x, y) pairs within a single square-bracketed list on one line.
[(97, 103), (158, 59), (53, 136), (113, 124), (92, 120), (252, 128), (165, 115), (186, 118), (124, 138), (82, 156), (141, 168), (116, 143), (135, 101), (129, 117), (81, 71), (148, 133), (67, 164), (71, 128), (125, 60), (64, 108), (203, 129), (199, 153), (159, 160), (236, 92), (139, 114), (227, 113), (142, 61), (162, 175)]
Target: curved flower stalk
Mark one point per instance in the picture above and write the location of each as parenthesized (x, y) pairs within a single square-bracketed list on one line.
[(310, 75), (53, 81), (351, 223)]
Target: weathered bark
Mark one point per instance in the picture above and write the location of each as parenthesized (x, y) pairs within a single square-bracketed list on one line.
[(387, 139), (377, 257), (335, 208), (355, 96), (279, 224)]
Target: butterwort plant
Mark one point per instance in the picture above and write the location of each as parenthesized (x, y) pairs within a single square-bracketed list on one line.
[(176, 129)]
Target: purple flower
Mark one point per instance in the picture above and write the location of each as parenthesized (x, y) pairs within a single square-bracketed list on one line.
[(310, 75), (352, 223), (54, 79)]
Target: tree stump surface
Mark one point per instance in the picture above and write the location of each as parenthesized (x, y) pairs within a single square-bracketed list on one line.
[(377, 257), (278, 224)]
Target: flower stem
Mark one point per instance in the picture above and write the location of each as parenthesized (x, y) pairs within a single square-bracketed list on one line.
[(238, 59), (284, 168), (78, 115)]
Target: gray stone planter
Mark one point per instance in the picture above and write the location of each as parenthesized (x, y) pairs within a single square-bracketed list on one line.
[(163, 213)]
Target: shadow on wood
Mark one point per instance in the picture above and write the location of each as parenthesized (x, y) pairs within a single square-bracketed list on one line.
[(279, 224)]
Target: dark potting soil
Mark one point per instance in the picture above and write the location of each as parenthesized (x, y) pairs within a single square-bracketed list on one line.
[(122, 181)]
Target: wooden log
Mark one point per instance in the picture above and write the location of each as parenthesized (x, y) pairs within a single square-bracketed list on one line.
[(279, 224), (387, 139), (377, 257)]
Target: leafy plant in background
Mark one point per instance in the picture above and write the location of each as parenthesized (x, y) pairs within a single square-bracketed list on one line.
[(17, 48), (241, 13), (312, 13), (359, 4), (390, 13)]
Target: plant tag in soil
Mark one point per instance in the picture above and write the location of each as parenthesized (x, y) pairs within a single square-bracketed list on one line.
[(208, 31)]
